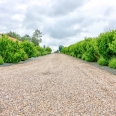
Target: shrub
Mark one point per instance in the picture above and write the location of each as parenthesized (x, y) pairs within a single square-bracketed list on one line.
[(112, 63), (44, 53), (39, 53), (48, 49), (79, 55), (24, 56), (1, 60), (83, 56), (103, 61), (28, 48), (16, 58), (72, 54), (104, 40)]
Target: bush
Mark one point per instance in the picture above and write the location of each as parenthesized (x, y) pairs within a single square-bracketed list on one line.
[(103, 61), (79, 55), (72, 54), (112, 63), (44, 53), (103, 41), (39, 53), (83, 56), (16, 58), (24, 56), (29, 48), (1, 60)]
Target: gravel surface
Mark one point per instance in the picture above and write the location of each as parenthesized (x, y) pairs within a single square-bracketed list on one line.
[(56, 85)]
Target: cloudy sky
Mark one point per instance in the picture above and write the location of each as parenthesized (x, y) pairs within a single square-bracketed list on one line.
[(62, 22)]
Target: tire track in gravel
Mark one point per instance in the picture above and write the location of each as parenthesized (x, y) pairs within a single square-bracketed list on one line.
[(56, 85)]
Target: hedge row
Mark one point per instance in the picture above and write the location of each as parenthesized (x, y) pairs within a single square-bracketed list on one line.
[(14, 52), (101, 49)]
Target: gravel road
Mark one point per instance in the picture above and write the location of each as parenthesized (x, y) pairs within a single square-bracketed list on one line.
[(56, 85)]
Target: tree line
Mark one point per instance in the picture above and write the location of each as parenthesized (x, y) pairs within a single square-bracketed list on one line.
[(100, 49), (35, 38), (23, 48)]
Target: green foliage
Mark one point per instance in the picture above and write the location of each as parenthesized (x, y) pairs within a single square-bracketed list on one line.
[(60, 48), (72, 54), (83, 56), (23, 54), (36, 39), (1, 60), (28, 48), (44, 53), (48, 49), (25, 57), (14, 52), (8, 49), (39, 53), (25, 37), (16, 58), (112, 45), (14, 35), (98, 49), (103, 42), (103, 61), (112, 63)]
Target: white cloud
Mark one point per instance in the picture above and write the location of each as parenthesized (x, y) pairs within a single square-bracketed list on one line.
[(18, 17)]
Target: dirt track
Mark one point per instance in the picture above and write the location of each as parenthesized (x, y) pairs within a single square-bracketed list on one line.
[(56, 85)]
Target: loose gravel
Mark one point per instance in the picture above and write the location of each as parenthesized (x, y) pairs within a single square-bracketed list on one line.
[(56, 85)]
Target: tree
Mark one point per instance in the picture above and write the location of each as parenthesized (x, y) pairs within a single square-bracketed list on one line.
[(44, 47), (36, 38), (60, 47), (26, 37)]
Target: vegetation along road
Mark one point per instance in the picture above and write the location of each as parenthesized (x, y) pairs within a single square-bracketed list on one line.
[(56, 85)]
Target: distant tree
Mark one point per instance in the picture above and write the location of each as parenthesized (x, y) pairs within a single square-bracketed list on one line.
[(44, 47), (36, 38), (26, 37), (57, 51), (60, 47)]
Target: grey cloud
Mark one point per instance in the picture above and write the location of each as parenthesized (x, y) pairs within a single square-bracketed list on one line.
[(36, 17), (64, 28), (7, 11), (63, 7), (56, 8)]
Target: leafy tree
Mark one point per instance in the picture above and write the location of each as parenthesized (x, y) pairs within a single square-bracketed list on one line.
[(26, 37), (44, 47), (60, 47), (36, 38)]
